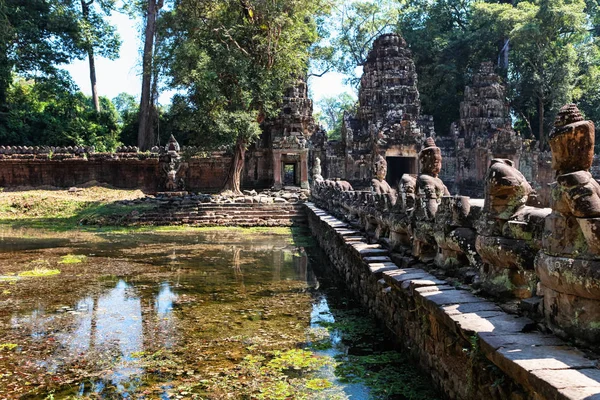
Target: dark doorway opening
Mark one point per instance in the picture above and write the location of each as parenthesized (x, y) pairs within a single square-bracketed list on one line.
[(289, 175), (398, 166)]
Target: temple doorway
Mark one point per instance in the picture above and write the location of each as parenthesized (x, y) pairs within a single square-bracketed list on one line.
[(398, 166), (289, 174)]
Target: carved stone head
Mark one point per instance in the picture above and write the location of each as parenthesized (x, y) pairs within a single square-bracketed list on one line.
[(571, 141), (173, 146), (431, 158), (506, 189)]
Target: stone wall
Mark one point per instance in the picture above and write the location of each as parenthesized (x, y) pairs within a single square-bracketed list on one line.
[(131, 170), (471, 348)]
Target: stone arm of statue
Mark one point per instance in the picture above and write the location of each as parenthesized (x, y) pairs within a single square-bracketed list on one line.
[(582, 193), (430, 206)]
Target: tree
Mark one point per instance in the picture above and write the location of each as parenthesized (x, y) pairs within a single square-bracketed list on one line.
[(332, 112), (353, 27), (232, 61), (35, 36), (51, 111), (128, 109), (547, 38), (448, 44), (97, 37), (147, 115)]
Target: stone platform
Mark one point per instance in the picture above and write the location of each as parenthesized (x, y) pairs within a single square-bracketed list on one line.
[(210, 210), (471, 347)]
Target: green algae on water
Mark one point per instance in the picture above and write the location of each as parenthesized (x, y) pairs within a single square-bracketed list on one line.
[(39, 272), (72, 259)]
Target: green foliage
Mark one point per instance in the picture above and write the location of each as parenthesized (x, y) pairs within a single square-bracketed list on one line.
[(318, 384), (550, 47), (51, 112), (8, 346), (38, 35), (296, 359), (232, 63), (35, 35), (355, 25), (332, 113), (128, 108), (94, 31)]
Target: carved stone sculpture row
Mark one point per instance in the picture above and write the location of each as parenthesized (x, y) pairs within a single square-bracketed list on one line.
[(9, 150), (518, 249)]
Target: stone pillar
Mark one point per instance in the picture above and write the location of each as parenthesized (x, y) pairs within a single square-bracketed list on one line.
[(277, 184), (304, 170)]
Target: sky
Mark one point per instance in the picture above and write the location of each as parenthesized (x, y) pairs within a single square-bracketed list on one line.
[(124, 74)]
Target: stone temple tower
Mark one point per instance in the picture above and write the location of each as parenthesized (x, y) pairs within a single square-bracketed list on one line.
[(387, 121)]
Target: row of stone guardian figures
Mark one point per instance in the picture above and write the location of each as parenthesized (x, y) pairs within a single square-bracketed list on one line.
[(519, 249)]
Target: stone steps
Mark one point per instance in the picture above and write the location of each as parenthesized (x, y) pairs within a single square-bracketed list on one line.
[(225, 214)]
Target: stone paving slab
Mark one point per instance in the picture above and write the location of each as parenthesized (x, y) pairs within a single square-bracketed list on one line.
[(347, 232), (491, 341), (549, 382), (369, 260), (483, 305), (580, 393), (373, 252), (491, 321), (432, 284), (396, 277), (532, 358), (359, 246), (446, 297), (354, 239), (379, 268)]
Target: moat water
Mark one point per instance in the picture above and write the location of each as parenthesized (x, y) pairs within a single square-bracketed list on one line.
[(225, 314)]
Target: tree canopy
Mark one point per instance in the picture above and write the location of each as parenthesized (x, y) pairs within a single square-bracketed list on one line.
[(546, 50), (231, 60)]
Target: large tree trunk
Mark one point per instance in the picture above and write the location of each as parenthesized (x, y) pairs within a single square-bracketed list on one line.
[(93, 80), (541, 123), (146, 138), (504, 55), (85, 8), (234, 177)]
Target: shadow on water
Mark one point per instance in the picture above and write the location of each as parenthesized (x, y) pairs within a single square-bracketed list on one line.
[(204, 315)]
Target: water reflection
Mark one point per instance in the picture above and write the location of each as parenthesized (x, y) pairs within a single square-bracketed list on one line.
[(210, 304), (321, 315), (112, 330)]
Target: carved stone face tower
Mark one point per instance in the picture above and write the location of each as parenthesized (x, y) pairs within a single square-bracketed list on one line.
[(387, 119)]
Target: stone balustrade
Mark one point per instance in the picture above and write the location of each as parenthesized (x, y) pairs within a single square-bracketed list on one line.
[(509, 246)]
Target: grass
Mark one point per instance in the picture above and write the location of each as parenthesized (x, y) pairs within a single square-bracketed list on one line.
[(95, 209), (61, 210)]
